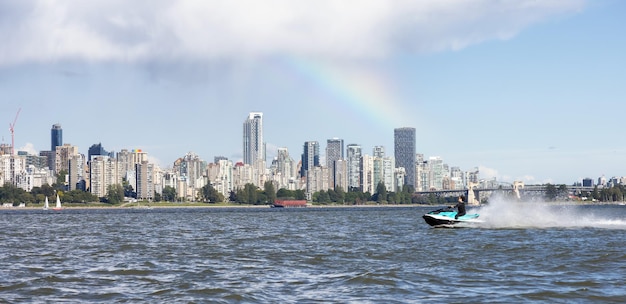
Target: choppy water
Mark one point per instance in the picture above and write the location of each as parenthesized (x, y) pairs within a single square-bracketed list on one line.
[(331, 255)]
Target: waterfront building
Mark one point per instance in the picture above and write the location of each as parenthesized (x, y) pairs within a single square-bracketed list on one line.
[(253, 145), (400, 177), (242, 174), (103, 172), (423, 176), (145, 184), (76, 172), (587, 182), (404, 153), (353, 158), (437, 172), (36, 177), (334, 152), (13, 168), (220, 175), (367, 174), (283, 169), (63, 154), (456, 175), (383, 169), (389, 165), (310, 157), (341, 174), (127, 163), (316, 180), (192, 169)]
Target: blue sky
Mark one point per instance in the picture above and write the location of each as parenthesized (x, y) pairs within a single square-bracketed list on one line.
[(523, 90)]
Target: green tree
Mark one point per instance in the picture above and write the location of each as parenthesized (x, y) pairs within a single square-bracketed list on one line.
[(551, 192), (115, 194), (248, 195), (157, 196), (210, 194), (323, 197), (9, 193), (169, 194), (381, 192), (596, 193), (60, 180), (283, 193), (300, 195), (340, 194), (269, 191)]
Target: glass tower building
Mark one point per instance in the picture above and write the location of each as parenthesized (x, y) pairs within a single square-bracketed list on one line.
[(56, 137), (310, 157), (404, 152)]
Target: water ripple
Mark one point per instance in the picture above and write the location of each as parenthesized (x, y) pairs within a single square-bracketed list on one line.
[(341, 255)]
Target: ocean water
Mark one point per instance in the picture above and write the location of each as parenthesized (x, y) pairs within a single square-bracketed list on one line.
[(522, 253)]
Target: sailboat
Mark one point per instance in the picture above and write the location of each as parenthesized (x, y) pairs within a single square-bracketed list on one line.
[(58, 205), (45, 205)]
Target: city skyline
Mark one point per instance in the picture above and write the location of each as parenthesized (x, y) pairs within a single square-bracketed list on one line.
[(523, 90)]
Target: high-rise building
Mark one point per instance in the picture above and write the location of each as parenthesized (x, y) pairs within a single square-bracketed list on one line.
[(97, 149), (310, 157), (353, 158), (437, 172), (253, 145), (63, 154), (191, 168), (404, 152), (379, 151), (144, 182), (103, 171), (334, 152), (285, 168), (366, 174), (56, 137)]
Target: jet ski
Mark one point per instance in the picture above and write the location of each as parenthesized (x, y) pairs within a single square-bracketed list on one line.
[(445, 218)]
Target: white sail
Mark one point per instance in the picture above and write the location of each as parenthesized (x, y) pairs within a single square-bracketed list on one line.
[(45, 205), (58, 206)]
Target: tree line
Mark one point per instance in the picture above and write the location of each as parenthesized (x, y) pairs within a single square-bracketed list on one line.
[(251, 194)]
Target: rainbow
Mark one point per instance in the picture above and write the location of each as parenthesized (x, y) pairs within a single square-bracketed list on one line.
[(368, 93)]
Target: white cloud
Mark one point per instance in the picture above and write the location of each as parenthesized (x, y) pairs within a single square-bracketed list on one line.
[(29, 148), (488, 173), (45, 30)]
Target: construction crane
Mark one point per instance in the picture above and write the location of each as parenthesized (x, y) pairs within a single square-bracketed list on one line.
[(12, 129)]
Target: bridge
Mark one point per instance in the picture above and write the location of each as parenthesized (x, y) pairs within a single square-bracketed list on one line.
[(517, 189)]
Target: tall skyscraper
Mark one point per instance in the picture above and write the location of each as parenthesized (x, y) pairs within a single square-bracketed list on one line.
[(310, 157), (334, 152), (56, 137), (404, 152), (253, 145), (353, 158)]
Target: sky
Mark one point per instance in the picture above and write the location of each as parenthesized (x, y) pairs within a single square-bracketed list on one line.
[(522, 90)]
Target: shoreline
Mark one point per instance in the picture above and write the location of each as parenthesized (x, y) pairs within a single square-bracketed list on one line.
[(147, 206)]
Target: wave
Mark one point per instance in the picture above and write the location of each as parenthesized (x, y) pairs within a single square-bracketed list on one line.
[(503, 213)]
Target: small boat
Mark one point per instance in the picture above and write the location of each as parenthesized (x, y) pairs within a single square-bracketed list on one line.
[(45, 204), (58, 205), (445, 217)]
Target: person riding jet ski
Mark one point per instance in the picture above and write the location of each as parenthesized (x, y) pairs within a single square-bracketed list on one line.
[(460, 206)]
